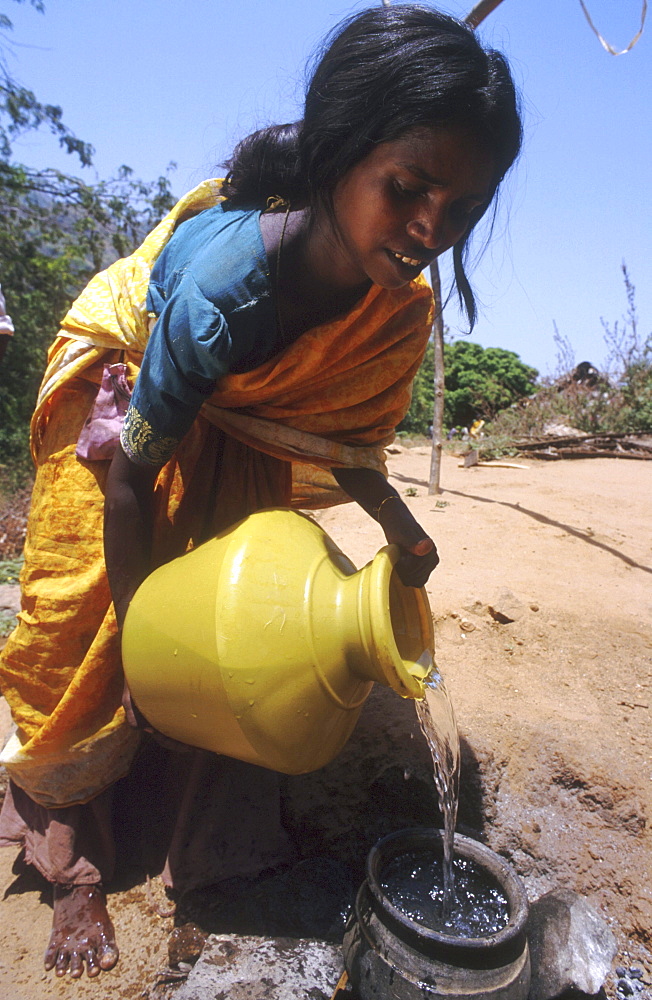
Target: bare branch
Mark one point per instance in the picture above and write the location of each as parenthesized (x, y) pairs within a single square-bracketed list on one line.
[(605, 44), (480, 11)]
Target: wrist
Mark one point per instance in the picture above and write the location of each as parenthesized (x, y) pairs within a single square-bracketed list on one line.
[(383, 505)]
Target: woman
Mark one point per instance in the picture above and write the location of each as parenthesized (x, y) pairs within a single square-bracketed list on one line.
[(288, 317)]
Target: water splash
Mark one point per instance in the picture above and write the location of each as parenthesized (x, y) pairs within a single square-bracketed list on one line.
[(437, 721), (413, 883)]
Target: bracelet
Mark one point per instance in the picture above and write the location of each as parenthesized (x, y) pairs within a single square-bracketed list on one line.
[(376, 510)]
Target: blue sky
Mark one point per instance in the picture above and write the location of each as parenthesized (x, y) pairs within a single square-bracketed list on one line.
[(155, 81)]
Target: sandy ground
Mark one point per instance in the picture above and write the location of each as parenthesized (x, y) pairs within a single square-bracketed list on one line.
[(553, 706)]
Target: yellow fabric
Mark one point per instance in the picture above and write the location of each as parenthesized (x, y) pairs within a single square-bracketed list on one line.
[(58, 668), (265, 438)]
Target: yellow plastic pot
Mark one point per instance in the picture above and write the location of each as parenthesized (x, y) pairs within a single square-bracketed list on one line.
[(263, 643)]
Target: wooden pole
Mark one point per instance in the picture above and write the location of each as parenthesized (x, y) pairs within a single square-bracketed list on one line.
[(438, 412), (480, 11), (473, 18)]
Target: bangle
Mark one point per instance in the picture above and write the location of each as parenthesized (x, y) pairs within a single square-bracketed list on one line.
[(376, 510)]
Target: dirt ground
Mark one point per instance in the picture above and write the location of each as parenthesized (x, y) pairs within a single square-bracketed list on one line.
[(543, 615)]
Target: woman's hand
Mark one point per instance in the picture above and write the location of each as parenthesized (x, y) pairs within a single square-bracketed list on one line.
[(371, 490), (419, 553)]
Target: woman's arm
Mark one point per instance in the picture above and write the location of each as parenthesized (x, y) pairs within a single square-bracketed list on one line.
[(374, 494), (127, 543), (127, 528)]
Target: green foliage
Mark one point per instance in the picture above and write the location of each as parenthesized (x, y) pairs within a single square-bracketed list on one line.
[(8, 622), (9, 570), (482, 381), (419, 417), (56, 231), (479, 383), (636, 392)]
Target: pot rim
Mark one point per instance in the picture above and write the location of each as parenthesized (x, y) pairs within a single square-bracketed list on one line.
[(407, 683), (402, 841)]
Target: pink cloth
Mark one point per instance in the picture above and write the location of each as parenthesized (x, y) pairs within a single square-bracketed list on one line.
[(101, 430), (71, 846)]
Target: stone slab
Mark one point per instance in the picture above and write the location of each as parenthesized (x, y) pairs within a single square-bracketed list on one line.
[(571, 946), (6, 724), (259, 968), (10, 597)]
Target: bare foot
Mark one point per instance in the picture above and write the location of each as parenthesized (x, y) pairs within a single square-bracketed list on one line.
[(81, 932)]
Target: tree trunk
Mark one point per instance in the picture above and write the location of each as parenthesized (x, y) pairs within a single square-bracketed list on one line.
[(473, 18), (438, 413)]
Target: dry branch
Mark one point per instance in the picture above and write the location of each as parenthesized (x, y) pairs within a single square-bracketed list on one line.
[(608, 445)]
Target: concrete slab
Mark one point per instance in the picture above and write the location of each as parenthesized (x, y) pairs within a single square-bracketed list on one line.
[(258, 968)]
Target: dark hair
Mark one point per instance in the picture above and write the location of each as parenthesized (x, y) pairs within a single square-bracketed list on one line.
[(381, 74)]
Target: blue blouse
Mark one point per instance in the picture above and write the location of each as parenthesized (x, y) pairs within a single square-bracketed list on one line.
[(211, 295)]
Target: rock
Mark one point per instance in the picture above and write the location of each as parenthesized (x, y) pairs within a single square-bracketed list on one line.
[(475, 607), (571, 946), (259, 968), (185, 944), (506, 608), (561, 430)]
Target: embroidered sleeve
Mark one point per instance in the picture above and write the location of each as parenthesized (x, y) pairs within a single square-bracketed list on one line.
[(142, 444)]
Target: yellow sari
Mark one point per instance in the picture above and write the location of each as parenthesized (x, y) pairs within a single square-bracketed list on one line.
[(267, 437)]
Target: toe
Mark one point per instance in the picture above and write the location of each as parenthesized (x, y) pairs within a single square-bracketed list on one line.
[(108, 955), (93, 967), (50, 957), (76, 965), (62, 962)]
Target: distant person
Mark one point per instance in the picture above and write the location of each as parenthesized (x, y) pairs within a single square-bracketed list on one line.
[(6, 326), (275, 321)]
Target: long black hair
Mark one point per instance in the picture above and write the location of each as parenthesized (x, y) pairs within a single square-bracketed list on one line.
[(381, 74)]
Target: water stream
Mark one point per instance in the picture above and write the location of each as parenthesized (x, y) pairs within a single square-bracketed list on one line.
[(450, 894), (438, 725)]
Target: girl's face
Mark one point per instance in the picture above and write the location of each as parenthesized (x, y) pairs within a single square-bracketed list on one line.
[(406, 203)]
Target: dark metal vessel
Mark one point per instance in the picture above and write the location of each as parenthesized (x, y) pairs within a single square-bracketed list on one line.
[(391, 957)]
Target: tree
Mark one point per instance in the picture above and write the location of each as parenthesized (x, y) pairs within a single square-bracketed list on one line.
[(419, 417), (482, 381), (479, 383), (55, 232), (21, 111)]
